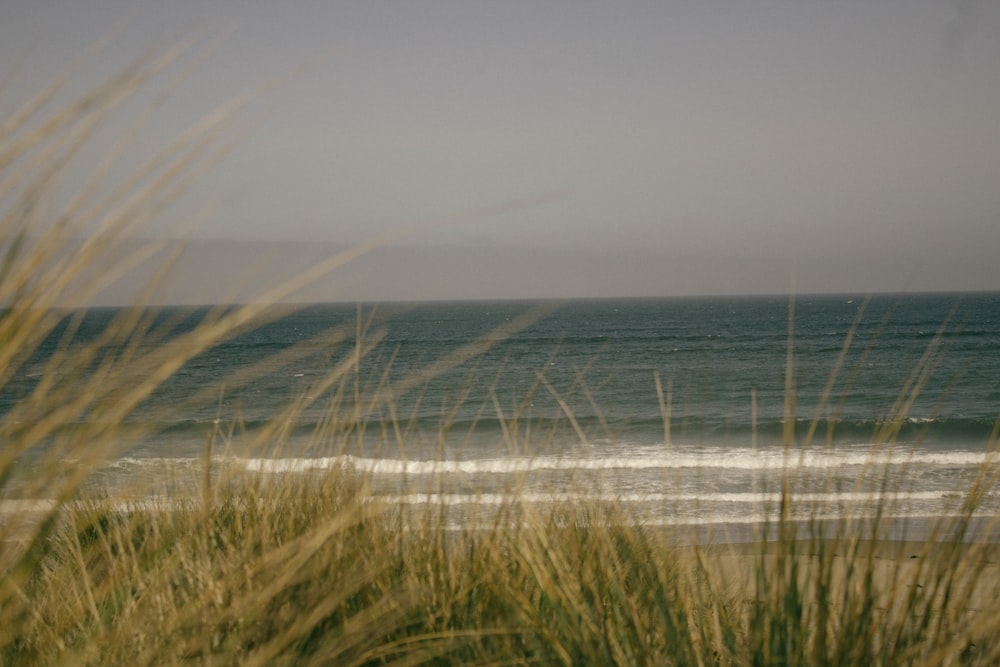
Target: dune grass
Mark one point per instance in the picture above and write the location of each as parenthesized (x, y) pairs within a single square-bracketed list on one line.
[(314, 571), (254, 568)]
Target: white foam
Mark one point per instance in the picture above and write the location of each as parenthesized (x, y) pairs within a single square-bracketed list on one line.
[(626, 498), (722, 459), (48, 505), (163, 462)]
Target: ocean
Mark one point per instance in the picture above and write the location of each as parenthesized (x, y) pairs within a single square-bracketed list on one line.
[(683, 410)]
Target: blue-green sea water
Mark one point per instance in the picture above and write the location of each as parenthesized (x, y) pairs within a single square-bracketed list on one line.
[(687, 410)]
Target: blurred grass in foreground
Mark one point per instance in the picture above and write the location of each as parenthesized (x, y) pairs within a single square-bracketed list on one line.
[(259, 569)]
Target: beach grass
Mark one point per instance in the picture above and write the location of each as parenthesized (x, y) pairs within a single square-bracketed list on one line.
[(313, 570), (312, 567)]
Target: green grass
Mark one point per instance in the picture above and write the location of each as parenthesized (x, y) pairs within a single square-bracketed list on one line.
[(311, 568)]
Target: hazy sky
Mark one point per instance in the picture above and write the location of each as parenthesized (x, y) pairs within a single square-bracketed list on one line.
[(705, 147)]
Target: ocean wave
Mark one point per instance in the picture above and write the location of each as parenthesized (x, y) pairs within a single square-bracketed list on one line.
[(692, 498), (639, 459)]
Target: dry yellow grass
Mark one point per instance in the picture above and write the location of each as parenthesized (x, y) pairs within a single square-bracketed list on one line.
[(300, 569)]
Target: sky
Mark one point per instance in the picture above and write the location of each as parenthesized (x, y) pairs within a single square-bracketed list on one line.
[(698, 147)]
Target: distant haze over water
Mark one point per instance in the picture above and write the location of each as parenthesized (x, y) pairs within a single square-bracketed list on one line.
[(224, 271)]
